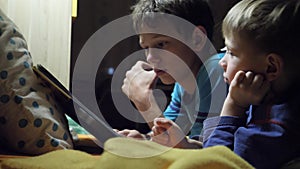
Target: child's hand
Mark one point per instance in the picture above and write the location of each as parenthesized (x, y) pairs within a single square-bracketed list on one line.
[(138, 85), (245, 89), (167, 133), (132, 134)]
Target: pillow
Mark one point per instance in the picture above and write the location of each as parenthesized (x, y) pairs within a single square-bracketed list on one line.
[(31, 121)]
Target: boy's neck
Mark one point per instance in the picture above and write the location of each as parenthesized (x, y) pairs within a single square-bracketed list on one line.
[(189, 83)]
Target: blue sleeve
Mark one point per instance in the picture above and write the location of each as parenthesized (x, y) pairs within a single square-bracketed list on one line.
[(173, 109), (220, 130), (212, 92), (263, 146), (212, 88), (269, 146)]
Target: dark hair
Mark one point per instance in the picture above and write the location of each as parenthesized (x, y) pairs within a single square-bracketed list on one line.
[(195, 11)]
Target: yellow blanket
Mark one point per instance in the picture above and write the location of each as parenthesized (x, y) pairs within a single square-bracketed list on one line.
[(129, 153)]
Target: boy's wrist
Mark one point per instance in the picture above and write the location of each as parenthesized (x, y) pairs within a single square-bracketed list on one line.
[(151, 113), (231, 108), (141, 106)]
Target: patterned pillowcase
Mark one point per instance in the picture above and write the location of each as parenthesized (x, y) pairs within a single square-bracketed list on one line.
[(31, 121)]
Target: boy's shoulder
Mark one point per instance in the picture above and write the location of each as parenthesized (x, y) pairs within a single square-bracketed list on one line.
[(217, 56)]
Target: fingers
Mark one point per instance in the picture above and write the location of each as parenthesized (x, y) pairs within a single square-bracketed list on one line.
[(160, 135), (238, 78), (131, 133), (124, 132), (161, 125), (162, 122), (158, 130), (244, 79), (162, 139), (248, 79), (255, 80), (167, 132), (125, 87), (140, 75), (258, 81), (248, 88), (140, 66), (146, 66)]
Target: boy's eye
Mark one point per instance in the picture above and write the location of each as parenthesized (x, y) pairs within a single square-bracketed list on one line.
[(229, 52), (161, 44)]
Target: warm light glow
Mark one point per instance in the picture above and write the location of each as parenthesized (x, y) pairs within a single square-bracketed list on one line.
[(74, 8)]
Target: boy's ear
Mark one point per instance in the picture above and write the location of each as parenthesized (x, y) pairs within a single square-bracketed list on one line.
[(199, 38), (274, 66)]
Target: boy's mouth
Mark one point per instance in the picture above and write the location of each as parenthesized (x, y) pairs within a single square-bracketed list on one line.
[(226, 80), (159, 71)]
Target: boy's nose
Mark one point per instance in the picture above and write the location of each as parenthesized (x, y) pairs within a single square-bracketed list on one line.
[(222, 63), (153, 56)]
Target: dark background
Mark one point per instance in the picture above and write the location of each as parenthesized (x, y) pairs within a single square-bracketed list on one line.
[(91, 16)]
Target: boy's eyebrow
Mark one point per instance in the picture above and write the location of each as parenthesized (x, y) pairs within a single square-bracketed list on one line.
[(154, 37), (228, 46), (158, 36)]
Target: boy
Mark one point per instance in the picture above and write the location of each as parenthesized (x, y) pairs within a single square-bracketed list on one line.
[(162, 53), (262, 39)]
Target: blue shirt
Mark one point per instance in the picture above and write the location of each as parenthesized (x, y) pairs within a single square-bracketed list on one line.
[(209, 101), (267, 138)]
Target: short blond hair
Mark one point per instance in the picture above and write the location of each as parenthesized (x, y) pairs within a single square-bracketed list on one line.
[(268, 25)]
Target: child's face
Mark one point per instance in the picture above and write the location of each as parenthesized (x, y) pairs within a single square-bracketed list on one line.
[(241, 55), (171, 60)]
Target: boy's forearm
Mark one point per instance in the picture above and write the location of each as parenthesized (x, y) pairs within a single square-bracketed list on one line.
[(221, 130), (230, 108), (150, 114)]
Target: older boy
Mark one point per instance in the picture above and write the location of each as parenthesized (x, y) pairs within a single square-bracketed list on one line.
[(138, 84), (262, 39)]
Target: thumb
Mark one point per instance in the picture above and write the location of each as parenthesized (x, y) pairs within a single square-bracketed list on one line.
[(162, 122), (154, 81), (149, 70), (146, 66)]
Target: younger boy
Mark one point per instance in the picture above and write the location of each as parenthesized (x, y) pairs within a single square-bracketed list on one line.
[(262, 39)]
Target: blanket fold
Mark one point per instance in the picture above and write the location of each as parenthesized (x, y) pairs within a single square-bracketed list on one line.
[(128, 153)]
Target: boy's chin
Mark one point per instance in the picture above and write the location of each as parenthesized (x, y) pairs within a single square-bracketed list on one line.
[(167, 81)]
